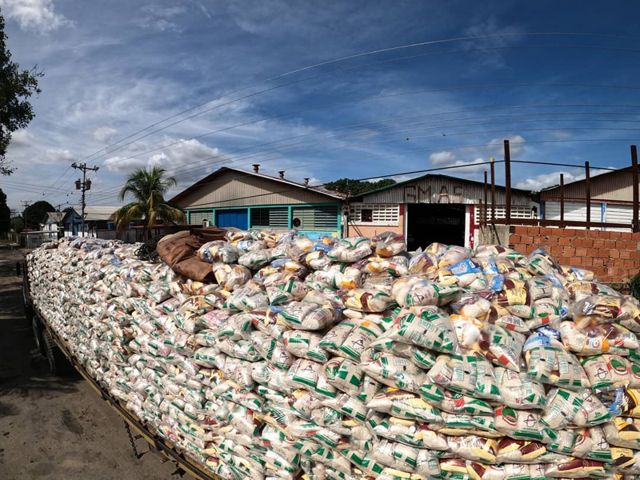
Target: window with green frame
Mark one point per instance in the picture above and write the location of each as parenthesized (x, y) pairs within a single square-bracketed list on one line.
[(270, 217), (323, 218)]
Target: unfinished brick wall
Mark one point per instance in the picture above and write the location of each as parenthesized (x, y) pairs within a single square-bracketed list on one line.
[(613, 256)]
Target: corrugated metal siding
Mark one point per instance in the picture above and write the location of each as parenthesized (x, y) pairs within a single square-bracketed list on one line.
[(316, 218), (237, 189), (440, 190), (573, 211), (613, 186), (600, 212), (196, 218)]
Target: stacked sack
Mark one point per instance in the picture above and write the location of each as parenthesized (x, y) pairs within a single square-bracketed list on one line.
[(353, 358)]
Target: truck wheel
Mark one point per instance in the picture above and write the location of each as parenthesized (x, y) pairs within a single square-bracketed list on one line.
[(58, 363), (36, 326)]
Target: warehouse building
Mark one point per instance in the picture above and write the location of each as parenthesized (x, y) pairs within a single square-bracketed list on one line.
[(230, 197), (432, 208), (611, 199)]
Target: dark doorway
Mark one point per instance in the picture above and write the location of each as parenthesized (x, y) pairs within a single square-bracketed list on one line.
[(428, 223)]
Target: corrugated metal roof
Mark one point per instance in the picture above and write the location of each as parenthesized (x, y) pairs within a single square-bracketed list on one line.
[(97, 212), (614, 186), (54, 217), (233, 187), (441, 189)]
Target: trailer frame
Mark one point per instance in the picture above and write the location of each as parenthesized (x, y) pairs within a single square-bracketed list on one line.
[(154, 440)]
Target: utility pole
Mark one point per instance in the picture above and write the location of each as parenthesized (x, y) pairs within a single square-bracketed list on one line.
[(25, 205), (83, 184)]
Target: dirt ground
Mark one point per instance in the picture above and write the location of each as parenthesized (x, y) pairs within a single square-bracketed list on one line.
[(56, 428)]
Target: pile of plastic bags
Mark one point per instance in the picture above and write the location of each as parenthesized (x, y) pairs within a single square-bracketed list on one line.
[(353, 358)]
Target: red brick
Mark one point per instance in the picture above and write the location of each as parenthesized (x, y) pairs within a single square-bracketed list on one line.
[(598, 243), (526, 239), (564, 241), (587, 261), (568, 251), (551, 240), (574, 261), (626, 254), (514, 238), (629, 263), (581, 252), (614, 253), (615, 235), (584, 242), (598, 262)]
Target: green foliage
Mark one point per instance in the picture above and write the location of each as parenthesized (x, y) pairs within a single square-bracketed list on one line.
[(634, 286), (5, 213), (147, 187), (36, 214), (357, 187), (16, 86)]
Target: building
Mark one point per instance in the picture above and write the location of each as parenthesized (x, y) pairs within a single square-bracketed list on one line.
[(230, 197), (611, 199), (432, 208), (53, 222), (96, 219)]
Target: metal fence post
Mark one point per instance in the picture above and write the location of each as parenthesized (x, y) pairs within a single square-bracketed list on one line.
[(634, 171), (507, 182), (588, 193)]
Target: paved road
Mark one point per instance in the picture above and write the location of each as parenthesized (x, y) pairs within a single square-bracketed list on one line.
[(56, 428)]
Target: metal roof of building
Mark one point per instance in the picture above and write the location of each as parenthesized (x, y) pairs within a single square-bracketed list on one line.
[(97, 212), (285, 181), (54, 217)]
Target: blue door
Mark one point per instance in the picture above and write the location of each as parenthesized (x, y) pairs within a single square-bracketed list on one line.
[(238, 218)]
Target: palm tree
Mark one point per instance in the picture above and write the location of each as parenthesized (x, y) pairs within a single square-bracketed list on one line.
[(147, 188)]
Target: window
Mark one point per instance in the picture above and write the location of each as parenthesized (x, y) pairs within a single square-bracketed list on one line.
[(272, 217), (374, 214), (316, 218), (517, 211), (196, 218)]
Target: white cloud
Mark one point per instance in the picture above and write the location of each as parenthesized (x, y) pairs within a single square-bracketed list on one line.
[(59, 155), (560, 135), (104, 134), (544, 180), (160, 18), (516, 146), (492, 39), (34, 15), (21, 138), (185, 160), (443, 157)]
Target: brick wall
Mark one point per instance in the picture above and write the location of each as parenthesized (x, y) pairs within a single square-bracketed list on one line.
[(613, 256)]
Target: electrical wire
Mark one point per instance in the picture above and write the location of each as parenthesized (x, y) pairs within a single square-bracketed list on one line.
[(340, 60), (486, 121)]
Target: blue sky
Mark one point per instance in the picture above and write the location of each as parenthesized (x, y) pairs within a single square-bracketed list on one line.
[(482, 72)]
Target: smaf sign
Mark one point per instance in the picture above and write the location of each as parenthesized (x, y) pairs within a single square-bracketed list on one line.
[(442, 193)]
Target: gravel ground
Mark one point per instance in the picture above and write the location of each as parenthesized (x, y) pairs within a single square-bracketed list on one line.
[(56, 428)]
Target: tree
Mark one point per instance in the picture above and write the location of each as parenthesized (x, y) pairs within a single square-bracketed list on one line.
[(357, 187), (36, 214), (147, 187), (16, 86), (17, 224), (5, 214)]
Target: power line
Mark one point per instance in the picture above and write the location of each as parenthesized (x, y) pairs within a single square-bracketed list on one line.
[(339, 135), (83, 185), (347, 58), (413, 92), (389, 175)]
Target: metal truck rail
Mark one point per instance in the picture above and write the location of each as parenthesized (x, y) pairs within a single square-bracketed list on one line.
[(60, 359)]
